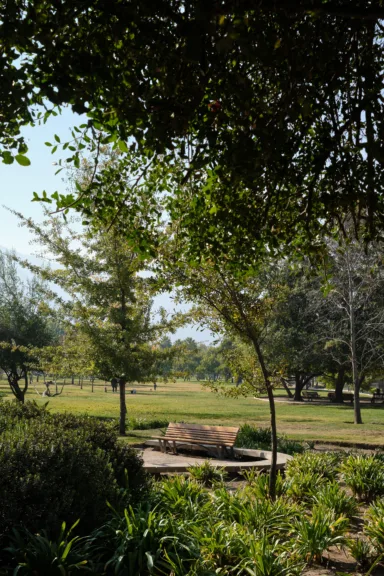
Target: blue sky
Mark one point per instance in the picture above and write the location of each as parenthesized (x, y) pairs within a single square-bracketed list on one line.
[(17, 184)]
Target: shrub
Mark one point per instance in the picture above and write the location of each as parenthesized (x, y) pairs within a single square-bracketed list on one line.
[(252, 437), (259, 483), (334, 498), (145, 424), (324, 464), (207, 474), (260, 439), (364, 475), (303, 486), (183, 496), (63, 468), (362, 552), (38, 554), (142, 542), (374, 526), (266, 558), (315, 534), (15, 410), (49, 475)]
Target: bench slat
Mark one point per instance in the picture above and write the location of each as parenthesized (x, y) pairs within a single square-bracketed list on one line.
[(203, 436), (220, 436), (185, 426)]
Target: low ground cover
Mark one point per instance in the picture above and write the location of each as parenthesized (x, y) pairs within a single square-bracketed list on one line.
[(204, 525), (190, 401)]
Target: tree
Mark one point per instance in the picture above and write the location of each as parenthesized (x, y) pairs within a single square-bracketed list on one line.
[(24, 325), (110, 299), (72, 355), (295, 342), (354, 284), (235, 307), (260, 121)]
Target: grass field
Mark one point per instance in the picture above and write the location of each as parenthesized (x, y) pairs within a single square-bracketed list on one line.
[(189, 401)]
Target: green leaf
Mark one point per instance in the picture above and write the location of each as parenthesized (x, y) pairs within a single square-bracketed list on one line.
[(57, 138), (22, 160), (7, 158), (122, 145)]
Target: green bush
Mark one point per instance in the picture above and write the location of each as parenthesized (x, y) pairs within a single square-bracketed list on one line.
[(334, 498), (364, 475), (303, 486), (259, 483), (15, 410), (362, 552), (315, 534), (207, 474), (320, 464), (260, 439), (38, 554), (135, 423), (374, 525), (63, 467)]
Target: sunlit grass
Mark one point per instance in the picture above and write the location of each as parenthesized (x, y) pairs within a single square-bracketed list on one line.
[(189, 401)]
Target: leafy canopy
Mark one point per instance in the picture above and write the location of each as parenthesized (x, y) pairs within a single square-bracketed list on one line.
[(260, 123)]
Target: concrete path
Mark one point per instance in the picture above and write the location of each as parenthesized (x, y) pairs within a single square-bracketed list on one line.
[(158, 462)]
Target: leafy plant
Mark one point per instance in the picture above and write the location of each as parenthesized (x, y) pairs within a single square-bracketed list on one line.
[(313, 535), (207, 474), (364, 475), (62, 467), (361, 551), (324, 464), (135, 423), (184, 497), (260, 483), (266, 558), (374, 526), (331, 496), (140, 542), (38, 554), (260, 439), (303, 486)]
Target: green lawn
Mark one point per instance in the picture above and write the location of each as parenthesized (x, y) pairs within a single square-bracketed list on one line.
[(189, 401)]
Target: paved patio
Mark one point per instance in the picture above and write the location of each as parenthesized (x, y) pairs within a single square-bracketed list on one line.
[(158, 462)]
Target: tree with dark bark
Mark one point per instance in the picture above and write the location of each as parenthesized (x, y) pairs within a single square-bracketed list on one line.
[(24, 325)]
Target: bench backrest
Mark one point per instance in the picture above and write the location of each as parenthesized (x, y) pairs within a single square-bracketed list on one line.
[(223, 435)]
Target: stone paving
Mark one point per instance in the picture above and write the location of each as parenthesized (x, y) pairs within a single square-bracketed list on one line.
[(159, 462)]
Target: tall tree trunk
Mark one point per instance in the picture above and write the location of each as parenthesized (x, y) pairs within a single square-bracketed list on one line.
[(16, 390), (123, 406), (299, 385), (73, 380), (286, 387), (272, 411), (339, 384)]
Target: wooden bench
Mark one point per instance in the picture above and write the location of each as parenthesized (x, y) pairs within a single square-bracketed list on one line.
[(220, 436), (377, 396), (348, 396), (309, 395)]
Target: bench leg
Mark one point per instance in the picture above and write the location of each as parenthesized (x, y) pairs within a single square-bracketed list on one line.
[(174, 447)]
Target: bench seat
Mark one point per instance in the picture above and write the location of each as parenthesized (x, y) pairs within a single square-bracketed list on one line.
[(309, 395), (220, 436)]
